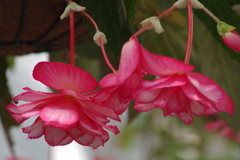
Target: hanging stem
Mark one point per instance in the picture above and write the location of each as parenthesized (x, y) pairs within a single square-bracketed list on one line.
[(149, 24), (72, 52), (190, 33), (100, 41), (211, 14)]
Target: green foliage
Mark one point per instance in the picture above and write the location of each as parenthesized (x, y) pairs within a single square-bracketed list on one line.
[(105, 13), (127, 13)]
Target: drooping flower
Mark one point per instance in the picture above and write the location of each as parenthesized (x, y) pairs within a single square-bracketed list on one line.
[(117, 88), (179, 92), (223, 129), (229, 36), (65, 116)]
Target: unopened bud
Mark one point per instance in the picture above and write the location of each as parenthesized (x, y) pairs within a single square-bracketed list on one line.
[(156, 25), (99, 35)]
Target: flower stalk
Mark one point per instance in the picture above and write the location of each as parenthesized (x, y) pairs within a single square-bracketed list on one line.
[(190, 33)]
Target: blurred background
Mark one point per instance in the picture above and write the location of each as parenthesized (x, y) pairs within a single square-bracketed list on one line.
[(31, 31)]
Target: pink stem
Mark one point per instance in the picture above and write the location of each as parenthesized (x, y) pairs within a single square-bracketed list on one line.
[(100, 42), (149, 24), (72, 52), (190, 33)]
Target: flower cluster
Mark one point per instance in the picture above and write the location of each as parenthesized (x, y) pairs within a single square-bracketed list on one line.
[(78, 112)]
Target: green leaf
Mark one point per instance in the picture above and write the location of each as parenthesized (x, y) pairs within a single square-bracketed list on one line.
[(105, 13), (127, 12), (224, 12)]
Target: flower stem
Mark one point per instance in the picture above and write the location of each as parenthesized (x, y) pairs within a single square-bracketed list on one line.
[(190, 33), (149, 24), (100, 41), (72, 52), (211, 14)]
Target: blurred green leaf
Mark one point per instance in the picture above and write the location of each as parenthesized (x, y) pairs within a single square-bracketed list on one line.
[(105, 13), (127, 13)]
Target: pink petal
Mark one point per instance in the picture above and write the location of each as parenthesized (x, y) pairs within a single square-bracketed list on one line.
[(96, 116), (75, 133), (146, 95), (178, 102), (109, 80), (54, 137), (66, 141), (111, 128), (85, 140), (210, 126), (161, 65), (88, 124), (197, 108), (23, 112), (212, 91), (63, 114), (73, 94), (97, 141), (63, 76), (144, 107), (31, 95), (186, 117), (134, 81), (35, 130), (164, 96), (232, 40), (129, 59), (100, 109)]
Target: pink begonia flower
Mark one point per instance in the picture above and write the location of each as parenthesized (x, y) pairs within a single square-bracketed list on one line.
[(223, 129), (178, 92), (135, 62), (65, 116), (232, 40)]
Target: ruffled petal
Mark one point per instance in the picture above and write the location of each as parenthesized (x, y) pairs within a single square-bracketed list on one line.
[(197, 108), (23, 112), (75, 133), (66, 141), (85, 140), (144, 107), (64, 76), (129, 59), (212, 91), (35, 130), (54, 136), (97, 141), (186, 117), (163, 97), (31, 95), (100, 109), (146, 95), (160, 65), (63, 114), (110, 80), (96, 116)]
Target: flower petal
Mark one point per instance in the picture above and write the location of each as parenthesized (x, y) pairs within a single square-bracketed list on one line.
[(63, 114), (212, 91), (160, 65), (35, 130), (75, 133), (186, 117), (129, 59), (109, 80), (66, 141), (31, 95), (85, 140), (100, 109), (144, 107), (54, 136), (63, 76)]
